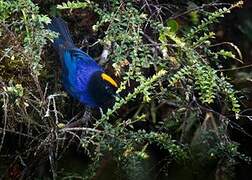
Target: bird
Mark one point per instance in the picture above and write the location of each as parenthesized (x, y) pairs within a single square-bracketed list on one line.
[(83, 78)]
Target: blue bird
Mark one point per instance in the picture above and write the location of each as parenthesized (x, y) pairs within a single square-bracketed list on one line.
[(83, 78)]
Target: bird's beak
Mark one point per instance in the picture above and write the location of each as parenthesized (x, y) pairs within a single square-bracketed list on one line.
[(107, 78)]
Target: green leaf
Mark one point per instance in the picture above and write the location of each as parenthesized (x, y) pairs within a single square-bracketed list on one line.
[(173, 25)]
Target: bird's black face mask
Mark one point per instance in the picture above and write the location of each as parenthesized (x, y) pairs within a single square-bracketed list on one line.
[(102, 89)]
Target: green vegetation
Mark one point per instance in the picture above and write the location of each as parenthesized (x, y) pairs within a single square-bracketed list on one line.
[(172, 96)]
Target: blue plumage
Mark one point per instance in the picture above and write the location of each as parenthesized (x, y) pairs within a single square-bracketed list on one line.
[(82, 76)]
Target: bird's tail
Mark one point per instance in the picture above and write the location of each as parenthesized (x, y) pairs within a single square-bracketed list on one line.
[(64, 39)]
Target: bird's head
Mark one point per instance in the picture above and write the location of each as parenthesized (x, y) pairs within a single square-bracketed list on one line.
[(102, 88)]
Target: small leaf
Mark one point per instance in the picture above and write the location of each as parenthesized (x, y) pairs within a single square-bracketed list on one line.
[(173, 25)]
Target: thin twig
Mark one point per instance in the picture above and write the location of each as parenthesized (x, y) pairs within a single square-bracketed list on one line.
[(199, 8), (237, 68), (2, 130), (80, 129), (5, 104)]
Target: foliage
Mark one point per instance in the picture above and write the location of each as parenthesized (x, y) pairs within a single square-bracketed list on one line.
[(161, 65), (73, 5)]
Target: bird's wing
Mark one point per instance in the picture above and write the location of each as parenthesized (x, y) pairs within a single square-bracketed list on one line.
[(79, 67)]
